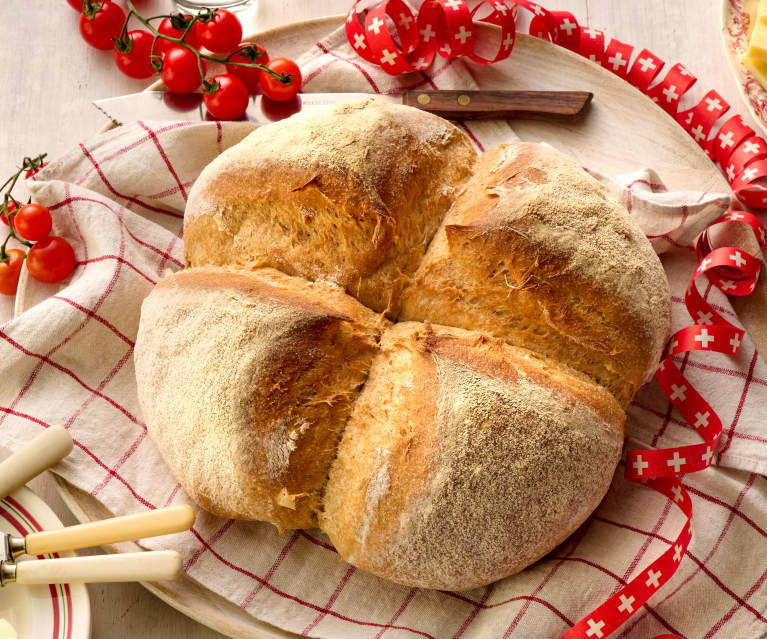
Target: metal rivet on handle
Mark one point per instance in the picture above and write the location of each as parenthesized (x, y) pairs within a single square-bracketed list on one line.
[(424, 98), (463, 99)]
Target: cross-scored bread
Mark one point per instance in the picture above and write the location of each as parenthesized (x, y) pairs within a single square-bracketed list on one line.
[(246, 381), (439, 457), (466, 459), (537, 252), (351, 194)]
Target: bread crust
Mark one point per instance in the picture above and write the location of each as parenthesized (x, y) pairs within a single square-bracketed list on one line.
[(351, 194), (501, 456), (431, 455), (246, 380), (537, 252)]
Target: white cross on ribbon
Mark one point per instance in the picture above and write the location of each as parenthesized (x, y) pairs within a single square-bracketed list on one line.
[(676, 461), (704, 338), (737, 257), (701, 419), (646, 63), (376, 24), (652, 578), (640, 465), (568, 26), (727, 139), (462, 35), (678, 392), (713, 104), (427, 33), (595, 628), (627, 604), (670, 93), (389, 57), (616, 61)]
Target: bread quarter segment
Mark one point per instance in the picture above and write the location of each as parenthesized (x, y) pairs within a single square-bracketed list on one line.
[(466, 459), (535, 251), (351, 194), (245, 381)]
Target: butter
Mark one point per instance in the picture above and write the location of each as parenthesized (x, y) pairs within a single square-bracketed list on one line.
[(757, 47), (758, 69), (7, 631)]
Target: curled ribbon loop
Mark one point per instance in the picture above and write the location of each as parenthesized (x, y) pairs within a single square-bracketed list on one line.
[(442, 27), (734, 146)]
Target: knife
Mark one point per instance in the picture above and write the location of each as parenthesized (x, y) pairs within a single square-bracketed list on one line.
[(561, 106), (153, 523), (153, 565)]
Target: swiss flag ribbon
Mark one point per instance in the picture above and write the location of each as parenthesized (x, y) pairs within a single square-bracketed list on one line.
[(447, 28)]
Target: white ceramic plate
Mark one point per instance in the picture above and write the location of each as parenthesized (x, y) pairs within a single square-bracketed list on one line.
[(737, 18), (41, 612)]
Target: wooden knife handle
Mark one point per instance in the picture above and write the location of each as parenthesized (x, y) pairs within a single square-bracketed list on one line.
[(562, 106)]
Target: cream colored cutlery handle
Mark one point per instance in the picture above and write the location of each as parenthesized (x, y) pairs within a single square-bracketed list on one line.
[(157, 565), (152, 523), (50, 446)]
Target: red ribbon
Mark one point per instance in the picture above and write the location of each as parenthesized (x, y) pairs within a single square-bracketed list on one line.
[(733, 145)]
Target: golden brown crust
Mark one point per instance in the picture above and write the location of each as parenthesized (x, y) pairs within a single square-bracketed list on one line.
[(246, 380), (351, 194), (465, 459), (535, 251)]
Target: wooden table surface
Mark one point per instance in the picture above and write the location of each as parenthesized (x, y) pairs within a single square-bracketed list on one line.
[(51, 76)]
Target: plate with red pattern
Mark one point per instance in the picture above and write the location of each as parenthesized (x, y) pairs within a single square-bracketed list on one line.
[(60, 611), (737, 21)]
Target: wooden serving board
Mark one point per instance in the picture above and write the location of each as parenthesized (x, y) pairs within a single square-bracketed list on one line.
[(624, 131)]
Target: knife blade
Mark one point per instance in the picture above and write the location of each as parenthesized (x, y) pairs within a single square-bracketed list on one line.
[(563, 106)]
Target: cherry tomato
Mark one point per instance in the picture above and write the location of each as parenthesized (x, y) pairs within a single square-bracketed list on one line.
[(230, 98), (51, 259), (76, 4), (10, 271), (32, 172), (136, 62), (11, 209), (104, 26), (33, 222), (275, 89), (221, 33), (249, 76), (180, 72), (166, 28)]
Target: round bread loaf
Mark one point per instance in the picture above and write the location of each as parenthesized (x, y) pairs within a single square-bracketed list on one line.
[(445, 451)]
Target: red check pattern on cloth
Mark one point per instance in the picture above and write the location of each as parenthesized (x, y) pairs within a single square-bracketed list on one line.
[(118, 201)]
